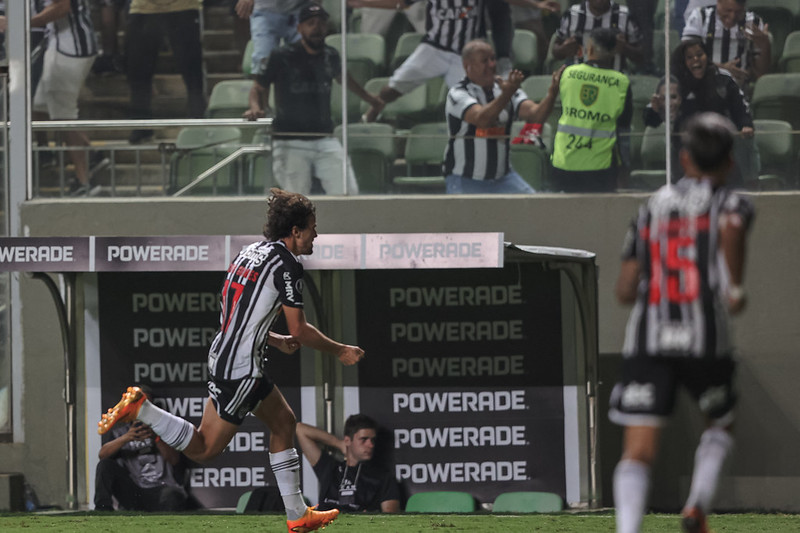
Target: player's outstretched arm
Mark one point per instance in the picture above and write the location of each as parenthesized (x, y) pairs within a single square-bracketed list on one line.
[(308, 335)]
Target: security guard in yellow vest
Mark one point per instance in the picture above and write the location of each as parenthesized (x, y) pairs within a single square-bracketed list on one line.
[(588, 152)]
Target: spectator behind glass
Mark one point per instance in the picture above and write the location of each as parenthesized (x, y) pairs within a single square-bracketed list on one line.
[(271, 21), (655, 113), (530, 18), (149, 23), (580, 19), (138, 470), (301, 74), (705, 87), (480, 111), (439, 54), (735, 39)]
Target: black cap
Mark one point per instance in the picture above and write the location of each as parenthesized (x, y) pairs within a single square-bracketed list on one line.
[(311, 11)]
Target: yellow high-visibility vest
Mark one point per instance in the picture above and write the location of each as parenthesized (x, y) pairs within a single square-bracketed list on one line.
[(592, 98)]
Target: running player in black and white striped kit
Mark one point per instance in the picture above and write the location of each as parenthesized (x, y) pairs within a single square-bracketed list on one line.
[(683, 270), (265, 279)]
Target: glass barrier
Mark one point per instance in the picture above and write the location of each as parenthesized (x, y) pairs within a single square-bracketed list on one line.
[(402, 151), (5, 277)]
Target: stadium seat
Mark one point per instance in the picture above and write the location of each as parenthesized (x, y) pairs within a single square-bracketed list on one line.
[(404, 112), (372, 152), (247, 59), (642, 88), (528, 502), (199, 148), (366, 54), (658, 46), (775, 147), (551, 64), (441, 502), (530, 162), (647, 180), (524, 51), (259, 176), (353, 104), (405, 45), (536, 89), (334, 9), (790, 58), (653, 149), (777, 97), (424, 154), (781, 18), (229, 99)]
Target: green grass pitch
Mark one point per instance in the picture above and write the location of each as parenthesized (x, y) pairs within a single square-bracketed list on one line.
[(594, 522)]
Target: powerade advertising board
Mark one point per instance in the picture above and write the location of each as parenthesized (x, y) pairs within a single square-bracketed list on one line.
[(464, 370)]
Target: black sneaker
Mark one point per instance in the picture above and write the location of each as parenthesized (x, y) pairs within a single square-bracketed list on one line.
[(107, 66), (140, 136), (77, 189)]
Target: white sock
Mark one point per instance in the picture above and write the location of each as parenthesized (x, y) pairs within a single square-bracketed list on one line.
[(172, 429), (631, 484), (286, 467), (715, 445)]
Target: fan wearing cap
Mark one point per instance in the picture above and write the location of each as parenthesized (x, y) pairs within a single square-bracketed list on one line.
[(301, 73)]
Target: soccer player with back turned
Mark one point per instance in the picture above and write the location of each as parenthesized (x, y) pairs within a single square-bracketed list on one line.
[(265, 279), (682, 269)]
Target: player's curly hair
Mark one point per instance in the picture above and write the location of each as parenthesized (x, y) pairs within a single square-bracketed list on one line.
[(285, 211)]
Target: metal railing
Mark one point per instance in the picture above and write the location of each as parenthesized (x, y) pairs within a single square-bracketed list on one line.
[(151, 176)]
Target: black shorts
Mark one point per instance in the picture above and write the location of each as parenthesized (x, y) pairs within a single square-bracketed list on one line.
[(646, 394), (234, 399)]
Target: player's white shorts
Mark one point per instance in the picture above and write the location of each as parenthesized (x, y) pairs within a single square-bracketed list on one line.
[(424, 63), (295, 162), (62, 79)]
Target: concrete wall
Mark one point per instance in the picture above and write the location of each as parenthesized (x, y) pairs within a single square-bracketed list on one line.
[(765, 472)]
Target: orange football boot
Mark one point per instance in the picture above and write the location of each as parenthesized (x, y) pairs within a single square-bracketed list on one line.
[(125, 411), (312, 520)]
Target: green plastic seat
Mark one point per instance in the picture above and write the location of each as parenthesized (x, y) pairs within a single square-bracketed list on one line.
[(530, 162), (406, 44), (247, 59), (229, 99), (528, 502), (424, 154), (441, 502), (199, 148), (366, 54), (372, 151), (407, 110), (777, 155), (790, 58), (524, 51), (536, 87), (777, 97)]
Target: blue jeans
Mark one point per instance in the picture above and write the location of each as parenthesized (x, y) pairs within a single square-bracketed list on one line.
[(511, 183), (267, 28)]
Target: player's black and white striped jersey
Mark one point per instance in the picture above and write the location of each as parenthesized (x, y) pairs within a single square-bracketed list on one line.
[(263, 277), (450, 24), (722, 44), (681, 309)]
